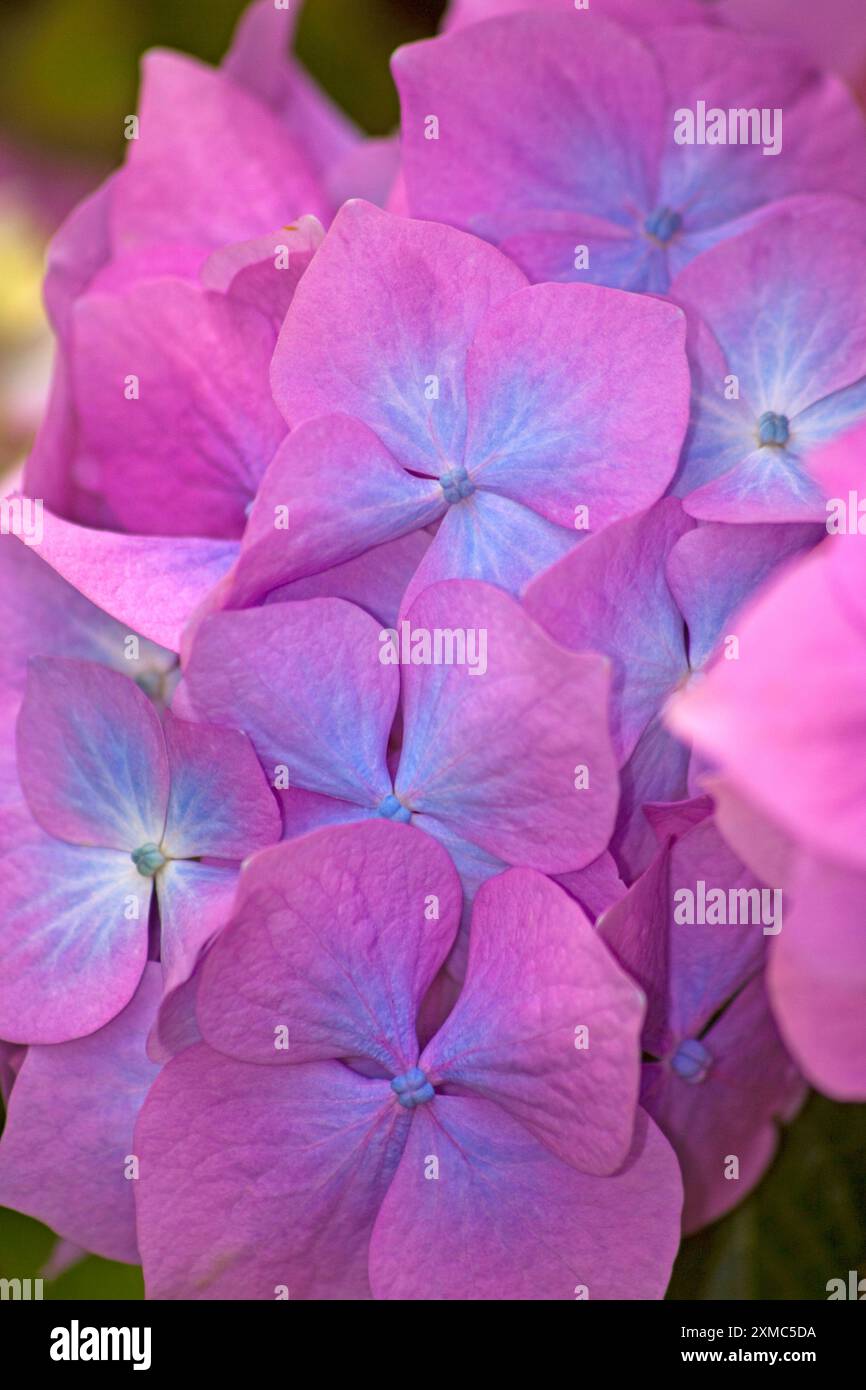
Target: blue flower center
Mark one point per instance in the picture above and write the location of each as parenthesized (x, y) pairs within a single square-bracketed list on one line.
[(412, 1088), (691, 1061), (456, 485), (147, 859), (392, 809), (663, 224), (773, 428)]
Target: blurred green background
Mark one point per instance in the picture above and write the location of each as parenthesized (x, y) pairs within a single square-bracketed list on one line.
[(68, 76), (68, 68)]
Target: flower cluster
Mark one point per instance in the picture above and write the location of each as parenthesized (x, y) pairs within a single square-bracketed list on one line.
[(432, 814)]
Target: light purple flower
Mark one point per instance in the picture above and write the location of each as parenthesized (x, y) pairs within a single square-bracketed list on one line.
[(778, 352), (438, 387), (509, 763), (124, 806), (720, 1078), (556, 132), (499, 1161), (655, 594)]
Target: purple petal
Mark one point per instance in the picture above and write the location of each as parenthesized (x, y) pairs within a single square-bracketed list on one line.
[(495, 757), (715, 568), (583, 126), (355, 497), (387, 306), (750, 1085), (491, 538), (570, 387), (220, 804), (538, 974), (262, 1183), (68, 1137), (610, 596), (375, 581), (75, 933), (91, 756), (330, 730), (195, 902), (333, 938), (186, 454), (505, 1219)]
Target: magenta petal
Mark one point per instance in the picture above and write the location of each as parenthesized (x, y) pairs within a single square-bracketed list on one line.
[(66, 1147), (185, 455), (610, 596), (77, 251), (387, 305), (220, 804), (91, 756), (340, 492), (577, 396), (330, 729), (153, 584), (787, 719), (195, 902), (258, 60), (232, 174), (817, 977), (538, 976), (333, 937), (259, 1183), (41, 614), (75, 940), (264, 272), (751, 1085), (495, 756), (501, 1218)]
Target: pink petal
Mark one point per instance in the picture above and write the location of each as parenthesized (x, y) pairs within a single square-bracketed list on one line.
[(538, 974)]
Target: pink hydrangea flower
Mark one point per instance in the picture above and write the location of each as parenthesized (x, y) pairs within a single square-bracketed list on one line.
[(778, 352), (498, 1161), (432, 385), (720, 1078), (505, 756), (555, 139), (125, 811)]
